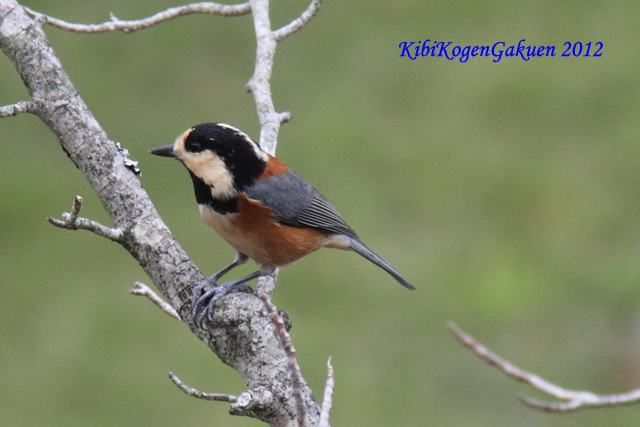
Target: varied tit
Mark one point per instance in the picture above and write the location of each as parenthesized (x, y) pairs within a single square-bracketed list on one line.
[(259, 206)]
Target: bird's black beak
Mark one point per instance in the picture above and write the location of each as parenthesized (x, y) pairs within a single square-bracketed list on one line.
[(164, 151)]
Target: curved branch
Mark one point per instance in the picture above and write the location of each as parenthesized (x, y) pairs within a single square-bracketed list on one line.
[(297, 24), (116, 24), (573, 400)]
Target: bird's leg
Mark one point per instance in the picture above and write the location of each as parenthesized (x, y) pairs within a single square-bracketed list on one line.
[(203, 306), (206, 284), (239, 260)]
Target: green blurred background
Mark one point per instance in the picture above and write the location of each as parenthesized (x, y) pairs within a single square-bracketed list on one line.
[(506, 192)]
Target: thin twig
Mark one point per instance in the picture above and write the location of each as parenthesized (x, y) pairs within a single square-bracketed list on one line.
[(327, 400), (116, 24), (17, 108), (297, 24), (296, 376), (71, 221), (260, 83), (143, 290), (220, 397), (572, 399)]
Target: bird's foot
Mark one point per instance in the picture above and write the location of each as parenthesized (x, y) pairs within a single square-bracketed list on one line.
[(207, 292)]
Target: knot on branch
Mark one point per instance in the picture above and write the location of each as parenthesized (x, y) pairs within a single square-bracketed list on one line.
[(252, 401)]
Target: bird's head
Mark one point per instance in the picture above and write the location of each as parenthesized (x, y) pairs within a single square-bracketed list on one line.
[(220, 155)]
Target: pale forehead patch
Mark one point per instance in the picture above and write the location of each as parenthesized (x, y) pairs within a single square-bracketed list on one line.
[(261, 154), (178, 146)]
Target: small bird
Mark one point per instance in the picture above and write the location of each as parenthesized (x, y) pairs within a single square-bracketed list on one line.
[(263, 209)]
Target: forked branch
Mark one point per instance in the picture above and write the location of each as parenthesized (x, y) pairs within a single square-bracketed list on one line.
[(71, 221)]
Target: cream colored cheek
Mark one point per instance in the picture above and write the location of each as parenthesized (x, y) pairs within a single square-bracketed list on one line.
[(212, 170)]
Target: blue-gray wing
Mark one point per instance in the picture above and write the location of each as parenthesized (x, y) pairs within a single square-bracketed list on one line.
[(298, 204)]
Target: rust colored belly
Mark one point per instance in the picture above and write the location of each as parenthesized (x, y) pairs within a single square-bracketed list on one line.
[(254, 233)]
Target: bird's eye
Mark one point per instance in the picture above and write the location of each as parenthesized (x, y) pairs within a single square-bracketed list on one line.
[(194, 146)]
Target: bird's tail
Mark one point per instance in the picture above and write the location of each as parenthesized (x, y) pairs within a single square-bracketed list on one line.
[(359, 248)]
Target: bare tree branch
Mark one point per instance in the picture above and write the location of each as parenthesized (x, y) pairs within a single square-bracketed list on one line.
[(143, 290), (116, 24), (71, 221), (294, 368), (297, 24), (573, 400), (327, 400)]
